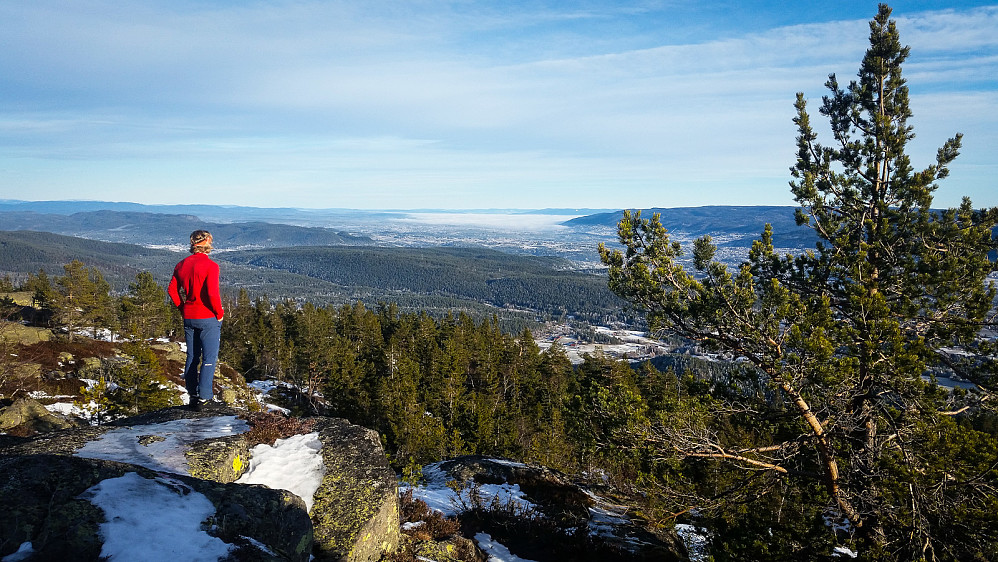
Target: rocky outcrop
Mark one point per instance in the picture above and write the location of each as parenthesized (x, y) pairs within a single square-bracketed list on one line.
[(356, 508), (41, 504), (566, 509), (354, 516), (222, 459)]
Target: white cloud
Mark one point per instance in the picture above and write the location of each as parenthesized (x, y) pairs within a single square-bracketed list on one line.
[(421, 101)]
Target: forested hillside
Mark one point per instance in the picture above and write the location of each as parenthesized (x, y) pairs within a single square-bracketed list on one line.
[(25, 252), (437, 280), (502, 280)]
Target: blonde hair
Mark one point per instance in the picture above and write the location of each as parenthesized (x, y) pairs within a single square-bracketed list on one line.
[(200, 242)]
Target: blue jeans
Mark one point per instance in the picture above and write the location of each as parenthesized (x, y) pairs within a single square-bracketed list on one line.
[(203, 336)]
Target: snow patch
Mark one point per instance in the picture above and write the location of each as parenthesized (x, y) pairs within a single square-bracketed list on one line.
[(25, 552), (263, 388), (293, 464), (496, 551), (697, 541), (841, 551), (154, 520), (439, 497), (67, 409)]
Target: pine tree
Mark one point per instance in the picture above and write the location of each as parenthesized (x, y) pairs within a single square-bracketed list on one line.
[(144, 310), (95, 399), (843, 334), (607, 414), (141, 382), (84, 299), (43, 295)]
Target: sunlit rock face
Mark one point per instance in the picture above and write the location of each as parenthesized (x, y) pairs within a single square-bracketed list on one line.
[(27, 417), (356, 508)]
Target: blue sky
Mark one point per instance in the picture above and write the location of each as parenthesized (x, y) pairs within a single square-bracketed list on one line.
[(461, 104)]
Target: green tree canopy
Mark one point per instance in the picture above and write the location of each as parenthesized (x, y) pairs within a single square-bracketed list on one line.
[(43, 295), (145, 312), (843, 335), (84, 299)]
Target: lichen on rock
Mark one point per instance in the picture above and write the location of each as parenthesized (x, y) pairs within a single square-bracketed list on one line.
[(355, 516), (223, 459), (355, 510)]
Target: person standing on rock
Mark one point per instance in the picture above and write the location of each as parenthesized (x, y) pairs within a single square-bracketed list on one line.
[(194, 288)]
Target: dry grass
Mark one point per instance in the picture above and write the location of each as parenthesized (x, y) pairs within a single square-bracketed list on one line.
[(268, 427), (434, 525)]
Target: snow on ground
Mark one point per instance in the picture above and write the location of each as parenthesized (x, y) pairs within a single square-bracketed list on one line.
[(841, 551), (67, 409), (164, 512), (63, 408), (496, 551), (102, 334), (263, 388), (603, 514), (439, 497), (42, 395), (164, 443), (25, 552), (270, 466), (634, 344), (696, 540), (154, 520), (90, 383)]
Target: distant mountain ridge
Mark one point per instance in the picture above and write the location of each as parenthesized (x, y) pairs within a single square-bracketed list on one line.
[(731, 218), (161, 229), (746, 221)]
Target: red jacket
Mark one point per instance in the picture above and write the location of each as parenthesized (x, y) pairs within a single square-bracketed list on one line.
[(197, 276)]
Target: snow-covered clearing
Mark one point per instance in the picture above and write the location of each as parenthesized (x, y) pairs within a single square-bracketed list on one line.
[(263, 389), (439, 497)]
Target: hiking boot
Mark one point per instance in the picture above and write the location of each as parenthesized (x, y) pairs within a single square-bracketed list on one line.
[(195, 404)]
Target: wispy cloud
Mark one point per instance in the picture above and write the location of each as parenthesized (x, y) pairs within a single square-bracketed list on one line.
[(455, 104)]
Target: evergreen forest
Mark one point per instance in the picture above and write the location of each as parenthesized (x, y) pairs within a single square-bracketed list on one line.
[(817, 423)]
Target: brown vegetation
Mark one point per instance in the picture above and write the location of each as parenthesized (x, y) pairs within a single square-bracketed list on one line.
[(268, 427)]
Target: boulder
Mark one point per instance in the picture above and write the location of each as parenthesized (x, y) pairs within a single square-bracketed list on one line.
[(222, 459), (27, 417), (451, 549), (355, 510)]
